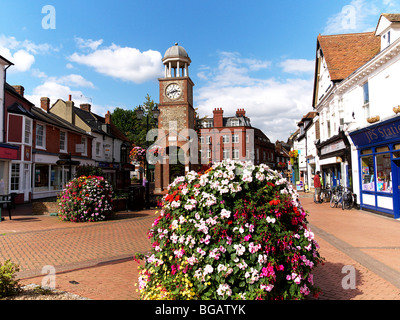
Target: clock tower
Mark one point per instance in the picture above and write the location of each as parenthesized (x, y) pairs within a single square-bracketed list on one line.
[(176, 116)]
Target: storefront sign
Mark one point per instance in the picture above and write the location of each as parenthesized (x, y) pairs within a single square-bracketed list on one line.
[(108, 165), (381, 132), (8, 153), (336, 146)]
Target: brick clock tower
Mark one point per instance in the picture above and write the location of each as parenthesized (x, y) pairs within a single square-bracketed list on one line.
[(176, 115)]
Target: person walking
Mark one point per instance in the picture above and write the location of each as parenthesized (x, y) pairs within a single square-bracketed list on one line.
[(317, 186)]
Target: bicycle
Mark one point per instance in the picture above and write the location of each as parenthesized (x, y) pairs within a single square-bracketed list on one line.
[(337, 197), (349, 199)]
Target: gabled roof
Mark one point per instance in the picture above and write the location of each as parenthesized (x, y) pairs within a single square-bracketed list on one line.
[(18, 109), (345, 53), (55, 120)]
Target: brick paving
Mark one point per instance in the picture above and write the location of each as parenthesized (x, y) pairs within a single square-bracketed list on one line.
[(94, 260)]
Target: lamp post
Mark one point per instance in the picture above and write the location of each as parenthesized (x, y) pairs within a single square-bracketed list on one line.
[(140, 113)]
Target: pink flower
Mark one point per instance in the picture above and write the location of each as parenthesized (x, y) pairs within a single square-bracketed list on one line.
[(247, 238)]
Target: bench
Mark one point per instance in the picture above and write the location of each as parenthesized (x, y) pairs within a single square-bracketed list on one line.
[(6, 199)]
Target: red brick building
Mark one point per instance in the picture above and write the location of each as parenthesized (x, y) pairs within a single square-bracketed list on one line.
[(234, 138), (44, 141)]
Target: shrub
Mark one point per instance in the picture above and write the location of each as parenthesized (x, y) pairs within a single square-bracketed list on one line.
[(236, 232), (9, 286), (85, 199)]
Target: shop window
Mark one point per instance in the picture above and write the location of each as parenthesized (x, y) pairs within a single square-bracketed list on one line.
[(382, 149), (41, 177), (56, 182), (368, 151), (383, 173), (396, 154), (367, 173)]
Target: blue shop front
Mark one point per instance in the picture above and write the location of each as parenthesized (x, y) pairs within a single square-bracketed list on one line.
[(378, 148)]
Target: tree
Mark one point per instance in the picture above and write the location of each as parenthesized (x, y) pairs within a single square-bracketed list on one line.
[(131, 126)]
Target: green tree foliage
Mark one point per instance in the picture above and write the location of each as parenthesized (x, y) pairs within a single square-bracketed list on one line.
[(131, 126)]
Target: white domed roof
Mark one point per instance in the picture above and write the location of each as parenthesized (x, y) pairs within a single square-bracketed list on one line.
[(176, 51)]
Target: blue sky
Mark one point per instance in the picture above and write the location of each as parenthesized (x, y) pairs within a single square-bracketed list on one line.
[(257, 55)]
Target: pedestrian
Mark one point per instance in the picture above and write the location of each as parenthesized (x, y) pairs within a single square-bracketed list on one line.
[(317, 186)]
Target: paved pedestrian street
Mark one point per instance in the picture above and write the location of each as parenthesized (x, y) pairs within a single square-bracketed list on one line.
[(95, 260)]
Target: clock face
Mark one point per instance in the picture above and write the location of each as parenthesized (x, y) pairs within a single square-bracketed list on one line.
[(173, 91)]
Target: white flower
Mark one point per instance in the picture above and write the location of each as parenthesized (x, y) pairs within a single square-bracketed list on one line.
[(225, 213), (208, 269)]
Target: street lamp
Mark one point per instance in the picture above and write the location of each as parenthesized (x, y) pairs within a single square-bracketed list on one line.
[(140, 114)]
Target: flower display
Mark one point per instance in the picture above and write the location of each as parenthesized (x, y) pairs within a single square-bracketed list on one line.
[(85, 199), (137, 154), (238, 231)]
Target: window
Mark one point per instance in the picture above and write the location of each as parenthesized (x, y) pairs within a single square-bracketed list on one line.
[(235, 154), (235, 138), (208, 153), (208, 139), (63, 141), (40, 136), (41, 177), (207, 124), (225, 154), (367, 173), (366, 100), (98, 145), (15, 177), (83, 142), (28, 130), (235, 122), (202, 139), (383, 173), (225, 138)]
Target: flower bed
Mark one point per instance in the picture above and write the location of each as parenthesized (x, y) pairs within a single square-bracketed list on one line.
[(85, 199), (236, 232)]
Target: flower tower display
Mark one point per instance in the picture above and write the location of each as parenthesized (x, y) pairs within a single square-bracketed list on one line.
[(237, 231), (85, 199)]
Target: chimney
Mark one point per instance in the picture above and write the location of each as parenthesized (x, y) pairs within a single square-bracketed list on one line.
[(218, 117), (240, 113), (85, 106), (108, 118), (45, 103), (69, 111), (69, 98), (19, 89)]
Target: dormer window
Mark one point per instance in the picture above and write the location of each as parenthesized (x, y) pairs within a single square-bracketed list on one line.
[(235, 122)]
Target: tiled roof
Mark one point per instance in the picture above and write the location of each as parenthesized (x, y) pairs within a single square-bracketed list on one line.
[(345, 53), (392, 17)]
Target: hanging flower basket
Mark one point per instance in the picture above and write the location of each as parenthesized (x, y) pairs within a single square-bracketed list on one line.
[(137, 154)]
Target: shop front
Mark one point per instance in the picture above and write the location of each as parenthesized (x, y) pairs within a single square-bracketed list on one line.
[(335, 161), (378, 148)]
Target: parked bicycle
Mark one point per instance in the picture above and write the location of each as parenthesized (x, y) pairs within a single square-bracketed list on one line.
[(337, 197), (349, 199)]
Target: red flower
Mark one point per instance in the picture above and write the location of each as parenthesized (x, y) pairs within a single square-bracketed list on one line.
[(274, 202)]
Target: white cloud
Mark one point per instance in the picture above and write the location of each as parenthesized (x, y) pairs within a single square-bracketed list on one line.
[(297, 66), (21, 59), (272, 106), (88, 43), (75, 80), (21, 53), (123, 63)]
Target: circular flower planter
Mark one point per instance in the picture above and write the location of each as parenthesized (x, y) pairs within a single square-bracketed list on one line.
[(237, 231)]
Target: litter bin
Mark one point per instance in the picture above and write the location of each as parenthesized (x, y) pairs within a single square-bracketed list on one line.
[(136, 198)]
